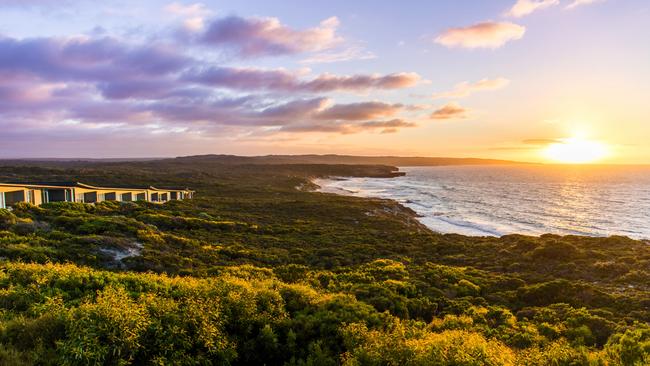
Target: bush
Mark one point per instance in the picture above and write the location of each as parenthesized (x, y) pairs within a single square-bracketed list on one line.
[(404, 346), (631, 347), (7, 219), (555, 250), (107, 331)]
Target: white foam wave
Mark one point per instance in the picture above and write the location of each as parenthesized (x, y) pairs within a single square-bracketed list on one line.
[(494, 201)]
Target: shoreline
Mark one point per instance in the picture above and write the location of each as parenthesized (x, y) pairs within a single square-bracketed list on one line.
[(321, 185), (405, 210), (322, 188), (412, 213)]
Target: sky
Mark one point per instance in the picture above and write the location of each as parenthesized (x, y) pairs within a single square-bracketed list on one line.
[(525, 80)]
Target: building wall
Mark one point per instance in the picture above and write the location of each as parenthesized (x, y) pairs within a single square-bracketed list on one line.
[(113, 194), (38, 197), (8, 192), (170, 195), (79, 194), (56, 195), (11, 188)]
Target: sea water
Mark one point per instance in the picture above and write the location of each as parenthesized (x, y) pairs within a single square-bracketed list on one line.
[(525, 199)]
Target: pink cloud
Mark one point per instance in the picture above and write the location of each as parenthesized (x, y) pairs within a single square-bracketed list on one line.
[(359, 111), (344, 53), (193, 15), (97, 82), (577, 3), (389, 126), (329, 82), (482, 35), (525, 7), (88, 59), (254, 37), (25, 92), (295, 109), (287, 81)]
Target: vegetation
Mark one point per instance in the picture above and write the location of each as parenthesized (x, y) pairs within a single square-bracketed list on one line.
[(258, 269)]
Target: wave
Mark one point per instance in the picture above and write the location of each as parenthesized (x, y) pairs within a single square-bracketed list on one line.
[(467, 200)]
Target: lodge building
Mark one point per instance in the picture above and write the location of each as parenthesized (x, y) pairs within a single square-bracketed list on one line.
[(39, 193)]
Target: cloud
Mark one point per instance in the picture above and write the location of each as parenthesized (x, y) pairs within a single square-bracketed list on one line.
[(148, 89), (482, 35), (577, 3), (110, 113), (255, 37), (318, 127), (202, 115), (528, 144), (215, 110), (329, 82), (541, 142), (82, 58), (466, 88), (244, 78), (128, 85), (359, 111), (25, 92), (510, 148), (122, 70), (345, 53), (390, 126), (384, 127), (295, 109), (193, 14), (449, 111), (32, 3), (525, 7), (287, 81), (189, 10)]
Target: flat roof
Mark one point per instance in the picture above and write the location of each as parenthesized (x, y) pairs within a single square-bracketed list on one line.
[(87, 186)]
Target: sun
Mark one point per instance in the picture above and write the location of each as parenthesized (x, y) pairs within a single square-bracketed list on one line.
[(576, 150)]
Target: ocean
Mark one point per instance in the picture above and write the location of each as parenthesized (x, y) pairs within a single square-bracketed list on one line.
[(524, 199)]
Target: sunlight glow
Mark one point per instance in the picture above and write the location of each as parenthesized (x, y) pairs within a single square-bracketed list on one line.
[(576, 150)]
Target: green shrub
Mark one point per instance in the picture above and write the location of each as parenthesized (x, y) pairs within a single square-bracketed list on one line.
[(7, 219), (106, 331), (402, 346)]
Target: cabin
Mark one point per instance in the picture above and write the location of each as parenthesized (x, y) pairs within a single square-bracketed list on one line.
[(38, 193)]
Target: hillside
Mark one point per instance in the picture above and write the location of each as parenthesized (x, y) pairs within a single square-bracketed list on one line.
[(259, 269), (272, 159), (342, 159)]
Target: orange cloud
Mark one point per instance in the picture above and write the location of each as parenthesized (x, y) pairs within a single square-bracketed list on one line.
[(359, 111), (541, 141), (482, 35), (384, 127), (466, 88), (449, 111)]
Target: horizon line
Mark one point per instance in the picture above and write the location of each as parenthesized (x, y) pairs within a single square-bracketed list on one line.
[(154, 158)]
